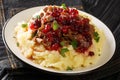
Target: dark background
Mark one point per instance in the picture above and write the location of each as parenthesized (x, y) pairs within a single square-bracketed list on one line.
[(108, 11)]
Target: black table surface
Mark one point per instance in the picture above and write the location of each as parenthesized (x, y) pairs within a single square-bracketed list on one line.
[(108, 11)]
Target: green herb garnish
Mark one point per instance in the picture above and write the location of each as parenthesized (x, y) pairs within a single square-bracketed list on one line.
[(24, 25), (62, 43), (69, 68), (17, 44), (96, 36), (33, 34), (74, 44), (63, 50), (55, 25), (64, 6), (38, 16)]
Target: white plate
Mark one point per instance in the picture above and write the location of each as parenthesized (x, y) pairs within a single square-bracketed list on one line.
[(25, 15)]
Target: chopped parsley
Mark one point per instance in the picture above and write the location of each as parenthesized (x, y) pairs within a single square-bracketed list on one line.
[(74, 44), (62, 43), (38, 16), (64, 6), (55, 25), (96, 36), (69, 68), (17, 44), (33, 34), (62, 51), (24, 25)]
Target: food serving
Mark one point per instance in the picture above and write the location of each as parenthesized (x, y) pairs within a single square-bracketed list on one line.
[(60, 38)]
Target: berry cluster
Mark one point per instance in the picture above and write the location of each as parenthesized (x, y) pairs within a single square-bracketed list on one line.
[(60, 27)]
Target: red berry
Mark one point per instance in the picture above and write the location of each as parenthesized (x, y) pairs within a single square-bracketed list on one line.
[(55, 46), (49, 37), (65, 29), (37, 23), (32, 26), (55, 13), (85, 20), (91, 53), (47, 28), (81, 49), (73, 12)]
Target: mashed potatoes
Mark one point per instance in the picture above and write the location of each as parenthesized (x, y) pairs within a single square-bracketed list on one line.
[(52, 58)]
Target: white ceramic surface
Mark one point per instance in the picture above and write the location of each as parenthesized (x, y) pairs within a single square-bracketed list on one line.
[(8, 30)]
